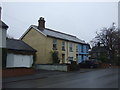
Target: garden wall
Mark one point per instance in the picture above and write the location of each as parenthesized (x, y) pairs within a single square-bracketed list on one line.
[(12, 72), (58, 67)]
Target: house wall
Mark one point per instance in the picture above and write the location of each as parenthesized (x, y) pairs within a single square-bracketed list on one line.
[(72, 54), (119, 15), (49, 49), (79, 58), (38, 42), (83, 56), (2, 38), (3, 47), (67, 53), (44, 47)]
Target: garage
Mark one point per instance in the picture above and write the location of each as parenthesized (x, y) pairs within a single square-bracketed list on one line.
[(19, 60), (19, 54)]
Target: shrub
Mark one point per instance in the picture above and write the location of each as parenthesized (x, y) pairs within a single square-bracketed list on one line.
[(103, 58), (117, 61), (55, 57), (74, 66)]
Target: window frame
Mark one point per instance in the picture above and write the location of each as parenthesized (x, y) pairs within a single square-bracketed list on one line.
[(70, 47), (54, 44), (82, 49), (77, 48), (63, 45)]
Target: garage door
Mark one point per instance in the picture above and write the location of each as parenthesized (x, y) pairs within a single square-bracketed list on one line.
[(15, 60)]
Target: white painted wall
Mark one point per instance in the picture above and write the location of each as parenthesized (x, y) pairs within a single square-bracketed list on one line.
[(2, 38), (15, 60), (10, 60)]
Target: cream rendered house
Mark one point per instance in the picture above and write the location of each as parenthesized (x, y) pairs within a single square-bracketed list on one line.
[(45, 41)]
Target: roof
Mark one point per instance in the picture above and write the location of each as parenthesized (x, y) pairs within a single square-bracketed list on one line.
[(3, 25), (59, 35), (14, 44), (99, 49)]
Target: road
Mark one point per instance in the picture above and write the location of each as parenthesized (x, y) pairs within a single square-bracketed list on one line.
[(99, 78)]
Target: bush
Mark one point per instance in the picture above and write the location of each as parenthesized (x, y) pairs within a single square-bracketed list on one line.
[(74, 66), (117, 60), (103, 58), (89, 64), (55, 57)]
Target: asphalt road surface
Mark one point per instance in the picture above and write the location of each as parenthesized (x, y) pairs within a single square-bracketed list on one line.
[(99, 78)]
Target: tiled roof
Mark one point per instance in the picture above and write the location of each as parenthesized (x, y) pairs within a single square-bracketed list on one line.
[(60, 35), (19, 45)]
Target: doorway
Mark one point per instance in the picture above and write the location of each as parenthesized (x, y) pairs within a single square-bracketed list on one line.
[(77, 58), (63, 58)]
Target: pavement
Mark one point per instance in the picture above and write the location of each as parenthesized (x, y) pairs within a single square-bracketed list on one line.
[(40, 74)]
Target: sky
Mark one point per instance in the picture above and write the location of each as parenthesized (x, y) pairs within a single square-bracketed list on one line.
[(81, 19)]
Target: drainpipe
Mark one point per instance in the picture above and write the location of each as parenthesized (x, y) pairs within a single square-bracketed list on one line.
[(0, 12), (67, 51)]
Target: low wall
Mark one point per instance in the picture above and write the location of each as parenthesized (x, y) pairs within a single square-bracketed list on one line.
[(12, 72), (104, 65), (52, 67)]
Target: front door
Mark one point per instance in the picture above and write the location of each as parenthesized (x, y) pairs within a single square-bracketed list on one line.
[(77, 58), (63, 58)]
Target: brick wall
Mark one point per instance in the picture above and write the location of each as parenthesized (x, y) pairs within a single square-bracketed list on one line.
[(104, 65), (17, 72)]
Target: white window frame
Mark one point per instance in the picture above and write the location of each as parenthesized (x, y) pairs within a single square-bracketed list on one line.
[(54, 44), (70, 47), (63, 45)]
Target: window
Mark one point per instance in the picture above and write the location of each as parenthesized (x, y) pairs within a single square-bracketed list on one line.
[(81, 48), (70, 58), (87, 48), (70, 47), (63, 45), (54, 44), (76, 48), (82, 58)]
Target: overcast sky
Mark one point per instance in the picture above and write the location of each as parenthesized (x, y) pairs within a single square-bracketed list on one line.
[(81, 19)]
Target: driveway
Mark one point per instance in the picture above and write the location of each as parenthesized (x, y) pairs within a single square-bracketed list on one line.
[(94, 78)]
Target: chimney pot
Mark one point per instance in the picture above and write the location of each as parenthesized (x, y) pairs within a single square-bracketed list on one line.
[(41, 23)]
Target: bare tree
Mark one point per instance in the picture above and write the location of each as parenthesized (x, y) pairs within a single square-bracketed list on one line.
[(109, 37)]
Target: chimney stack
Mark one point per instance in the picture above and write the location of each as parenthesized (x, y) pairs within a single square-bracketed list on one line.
[(41, 23), (0, 12)]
